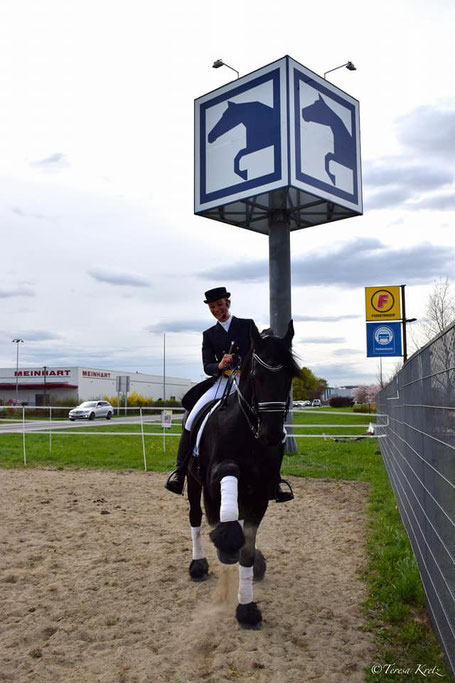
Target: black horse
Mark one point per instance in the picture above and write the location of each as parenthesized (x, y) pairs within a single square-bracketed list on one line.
[(238, 465)]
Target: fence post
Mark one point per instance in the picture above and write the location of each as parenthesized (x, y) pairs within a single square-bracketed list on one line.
[(50, 429), (23, 436), (143, 440)]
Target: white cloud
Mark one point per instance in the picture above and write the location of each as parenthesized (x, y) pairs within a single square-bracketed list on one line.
[(114, 276)]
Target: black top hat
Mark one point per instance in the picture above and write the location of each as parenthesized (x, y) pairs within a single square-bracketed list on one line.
[(215, 294)]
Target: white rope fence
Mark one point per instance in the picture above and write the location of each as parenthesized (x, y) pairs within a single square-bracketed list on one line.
[(53, 427)]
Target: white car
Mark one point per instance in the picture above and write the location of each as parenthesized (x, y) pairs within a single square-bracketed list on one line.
[(316, 403), (91, 409)]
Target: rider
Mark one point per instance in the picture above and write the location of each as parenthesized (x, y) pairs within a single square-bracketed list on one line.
[(230, 337)]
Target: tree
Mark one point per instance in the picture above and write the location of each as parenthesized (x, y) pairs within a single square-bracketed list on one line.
[(366, 393), (308, 386), (440, 311), (439, 314)]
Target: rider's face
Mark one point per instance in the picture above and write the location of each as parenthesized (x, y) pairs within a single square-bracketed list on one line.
[(220, 309)]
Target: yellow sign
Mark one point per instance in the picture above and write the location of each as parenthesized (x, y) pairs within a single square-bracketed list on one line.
[(383, 303)]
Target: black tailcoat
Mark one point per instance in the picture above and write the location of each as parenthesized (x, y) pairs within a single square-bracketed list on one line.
[(216, 342)]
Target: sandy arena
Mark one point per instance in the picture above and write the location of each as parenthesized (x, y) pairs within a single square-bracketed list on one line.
[(95, 586)]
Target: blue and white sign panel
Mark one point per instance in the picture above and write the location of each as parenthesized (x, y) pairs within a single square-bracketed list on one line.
[(241, 138), (324, 139), (384, 339), (280, 126)]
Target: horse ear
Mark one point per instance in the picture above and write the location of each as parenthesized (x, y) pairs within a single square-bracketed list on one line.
[(289, 334), (255, 336)]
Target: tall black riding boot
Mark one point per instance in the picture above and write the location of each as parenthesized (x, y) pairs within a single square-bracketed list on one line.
[(176, 479)]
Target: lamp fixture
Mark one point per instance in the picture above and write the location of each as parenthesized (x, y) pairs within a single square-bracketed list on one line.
[(349, 66), (219, 62)]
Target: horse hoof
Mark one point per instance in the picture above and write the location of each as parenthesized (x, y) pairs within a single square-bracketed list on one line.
[(199, 570), (249, 616), (228, 558), (228, 538), (259, 566)]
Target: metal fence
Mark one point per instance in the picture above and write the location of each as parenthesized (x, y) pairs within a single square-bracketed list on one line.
[(416, 414)]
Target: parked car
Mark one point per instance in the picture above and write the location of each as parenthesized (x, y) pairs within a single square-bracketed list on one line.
[(89, 410), (316, 403), (306, 403)]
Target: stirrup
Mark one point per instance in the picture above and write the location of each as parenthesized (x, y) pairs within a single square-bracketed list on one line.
[(175, 482), (283, 496)]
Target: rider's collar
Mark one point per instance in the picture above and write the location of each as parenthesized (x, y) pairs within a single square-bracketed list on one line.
[(226, 324)]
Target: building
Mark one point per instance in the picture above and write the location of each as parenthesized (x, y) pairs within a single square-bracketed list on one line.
[(46, 386), (349, 390)]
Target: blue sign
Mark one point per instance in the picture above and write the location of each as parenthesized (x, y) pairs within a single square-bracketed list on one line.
[(282, 126), (384, 339)]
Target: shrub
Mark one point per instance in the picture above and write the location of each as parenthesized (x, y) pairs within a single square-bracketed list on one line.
[(341, 402), (364, 408)]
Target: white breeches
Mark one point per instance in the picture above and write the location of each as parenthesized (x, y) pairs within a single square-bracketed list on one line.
[(215, 392)]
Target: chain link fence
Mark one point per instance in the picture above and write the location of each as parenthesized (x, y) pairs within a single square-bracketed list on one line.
[(416, 415)]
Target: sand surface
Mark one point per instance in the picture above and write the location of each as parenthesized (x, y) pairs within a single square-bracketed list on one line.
[(95, 587)]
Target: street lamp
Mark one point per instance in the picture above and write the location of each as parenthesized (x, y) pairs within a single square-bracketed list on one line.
[(219, 62), (349, 65), (17, 342)]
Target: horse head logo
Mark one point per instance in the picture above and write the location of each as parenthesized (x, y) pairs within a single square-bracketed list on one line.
[(258, 121), (343, 143)]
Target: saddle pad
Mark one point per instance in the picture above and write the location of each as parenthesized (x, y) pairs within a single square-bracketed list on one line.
[(202, 425)]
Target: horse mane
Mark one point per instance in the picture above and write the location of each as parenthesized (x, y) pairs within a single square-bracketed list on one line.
[(287, 357)]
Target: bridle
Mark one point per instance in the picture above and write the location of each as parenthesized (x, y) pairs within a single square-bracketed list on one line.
[(253, 411)]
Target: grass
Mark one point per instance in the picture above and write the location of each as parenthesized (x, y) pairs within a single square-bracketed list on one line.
[(395, 610)]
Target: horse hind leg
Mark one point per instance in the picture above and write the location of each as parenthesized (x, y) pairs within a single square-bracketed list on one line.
[(199, 567), (259, 565)]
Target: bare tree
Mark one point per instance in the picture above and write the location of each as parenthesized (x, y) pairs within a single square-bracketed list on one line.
[(439, 314)]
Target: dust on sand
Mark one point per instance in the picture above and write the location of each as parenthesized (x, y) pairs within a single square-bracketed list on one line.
[(95, 587)]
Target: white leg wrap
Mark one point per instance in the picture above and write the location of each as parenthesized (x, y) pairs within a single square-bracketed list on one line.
[(245, 585), (229, 510), (196, 537)]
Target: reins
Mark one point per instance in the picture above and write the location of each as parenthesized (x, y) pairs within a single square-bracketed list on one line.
[(260, 407)]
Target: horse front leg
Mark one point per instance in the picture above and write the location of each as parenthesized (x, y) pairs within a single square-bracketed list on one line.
[(251, 566), (228, 535), (199, 567), (328, 158), (237, 169)]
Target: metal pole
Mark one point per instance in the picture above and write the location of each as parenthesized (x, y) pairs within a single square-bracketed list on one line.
[(17, 371), (17, 341), (164, 367), (280, 279), (44, 386), (403, 324)]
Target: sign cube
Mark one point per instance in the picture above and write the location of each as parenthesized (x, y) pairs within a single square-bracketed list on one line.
[(280, 128)]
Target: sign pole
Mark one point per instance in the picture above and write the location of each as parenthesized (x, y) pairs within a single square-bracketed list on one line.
[(403, 315), (280, 280)]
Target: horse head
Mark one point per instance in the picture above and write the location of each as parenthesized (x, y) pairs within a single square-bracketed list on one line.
[(319, 112), (229, 119), (272, 367)]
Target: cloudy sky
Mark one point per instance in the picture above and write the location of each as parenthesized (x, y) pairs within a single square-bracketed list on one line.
[(100, 249)]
